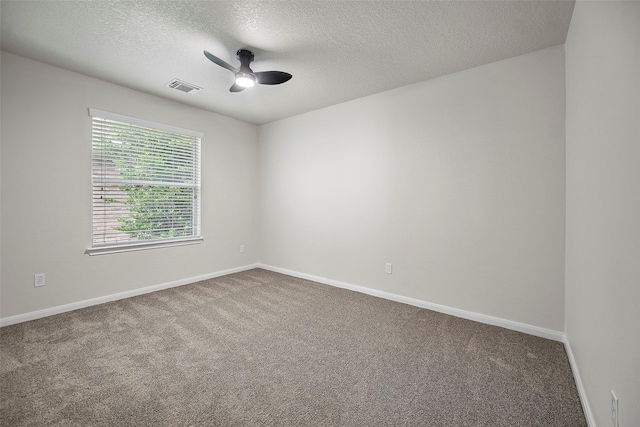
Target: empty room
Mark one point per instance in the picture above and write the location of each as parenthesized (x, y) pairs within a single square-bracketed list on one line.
[(320, 213)]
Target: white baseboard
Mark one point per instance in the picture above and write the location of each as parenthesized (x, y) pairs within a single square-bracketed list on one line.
[(581, 391), (477, 317), (482, 318), (114, 297)]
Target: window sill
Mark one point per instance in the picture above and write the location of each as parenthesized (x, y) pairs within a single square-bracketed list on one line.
[(129, 247)]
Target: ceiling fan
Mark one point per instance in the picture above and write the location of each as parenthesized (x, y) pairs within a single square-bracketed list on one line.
[(245, 77)]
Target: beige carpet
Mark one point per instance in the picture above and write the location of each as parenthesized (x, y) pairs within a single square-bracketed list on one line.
[(261, 348)]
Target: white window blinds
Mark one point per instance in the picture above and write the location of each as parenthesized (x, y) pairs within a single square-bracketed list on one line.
[(146, 184)]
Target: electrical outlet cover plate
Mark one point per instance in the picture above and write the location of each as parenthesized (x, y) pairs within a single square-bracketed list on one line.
[(39, 280)]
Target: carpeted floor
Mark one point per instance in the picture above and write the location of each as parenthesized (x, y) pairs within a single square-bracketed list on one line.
[(261, 348)]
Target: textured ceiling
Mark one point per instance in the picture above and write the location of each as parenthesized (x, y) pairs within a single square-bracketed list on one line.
[(336, 50)]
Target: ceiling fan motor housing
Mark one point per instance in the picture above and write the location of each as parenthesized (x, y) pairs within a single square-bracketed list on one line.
[(245, 57)]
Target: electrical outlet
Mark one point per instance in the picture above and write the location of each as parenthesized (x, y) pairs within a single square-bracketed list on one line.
[(39, 280), (614, 410), (241, 249), (388, 268)]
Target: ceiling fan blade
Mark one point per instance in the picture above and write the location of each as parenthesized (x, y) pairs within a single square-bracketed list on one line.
[(220, 62), (236, 88), (272, 77)]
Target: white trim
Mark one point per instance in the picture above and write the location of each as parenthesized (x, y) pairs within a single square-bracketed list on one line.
[(11, 320), (139, 246), (477, 317), (508, 324), (94, 112), (586, 408)]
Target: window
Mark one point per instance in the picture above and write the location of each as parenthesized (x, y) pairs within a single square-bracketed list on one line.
[(145, 184)]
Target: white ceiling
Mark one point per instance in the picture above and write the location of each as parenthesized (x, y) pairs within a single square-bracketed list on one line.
[(336, 50)]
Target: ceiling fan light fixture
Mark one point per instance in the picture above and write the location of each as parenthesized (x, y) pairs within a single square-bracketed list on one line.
[(245, 80)]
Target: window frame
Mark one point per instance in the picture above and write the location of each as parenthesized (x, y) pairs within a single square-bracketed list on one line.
[(135, 245)]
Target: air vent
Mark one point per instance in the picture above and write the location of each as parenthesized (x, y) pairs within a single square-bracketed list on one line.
[(183, 86)]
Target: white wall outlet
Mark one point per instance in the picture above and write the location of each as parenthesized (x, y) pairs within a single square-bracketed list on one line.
[(241, 249), (39, 280), (614, 410), (388, 268)]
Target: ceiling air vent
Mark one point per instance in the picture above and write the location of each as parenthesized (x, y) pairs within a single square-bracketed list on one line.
[(183, 86)]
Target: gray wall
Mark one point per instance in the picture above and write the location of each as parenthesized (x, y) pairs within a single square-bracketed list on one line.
[(603, 204), (46, 190), (458, 181)]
